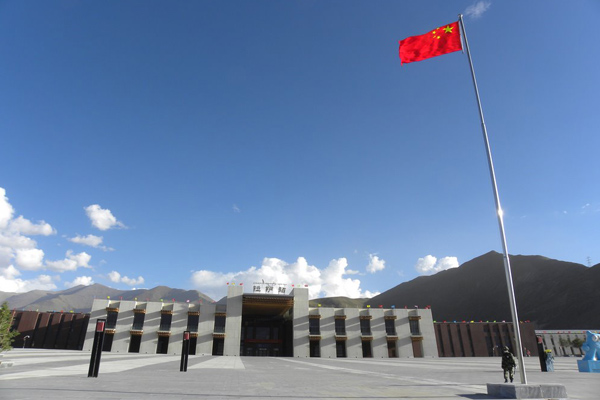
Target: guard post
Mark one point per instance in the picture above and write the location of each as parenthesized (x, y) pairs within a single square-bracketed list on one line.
[(97, 348), (185, 351)]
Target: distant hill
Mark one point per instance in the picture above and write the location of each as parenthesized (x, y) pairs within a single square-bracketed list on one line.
[(552, 294), (80, 298)]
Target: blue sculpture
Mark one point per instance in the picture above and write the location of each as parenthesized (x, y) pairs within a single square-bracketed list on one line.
[(590, 362)]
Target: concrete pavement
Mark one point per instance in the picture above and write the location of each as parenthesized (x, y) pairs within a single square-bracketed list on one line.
[(57, 374)]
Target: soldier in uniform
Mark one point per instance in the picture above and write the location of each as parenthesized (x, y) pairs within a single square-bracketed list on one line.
[(508, 364)]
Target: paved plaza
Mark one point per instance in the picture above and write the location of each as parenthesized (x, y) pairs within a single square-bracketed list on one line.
[(57, 374)]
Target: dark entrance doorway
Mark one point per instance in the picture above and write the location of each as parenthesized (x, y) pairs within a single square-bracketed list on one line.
[(267, 326)]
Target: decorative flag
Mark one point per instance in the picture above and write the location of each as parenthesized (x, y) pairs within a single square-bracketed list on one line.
[(442, 40)]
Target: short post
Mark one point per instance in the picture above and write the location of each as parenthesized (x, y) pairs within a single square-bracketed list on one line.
[(97, 348), (185, 351)]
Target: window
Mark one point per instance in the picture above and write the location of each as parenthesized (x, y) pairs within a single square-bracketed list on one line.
[(108, 340), (138, 321), (340, 348), (390, 327), (340, 327), (365, 326), (367, 349), (134, 343), (314, 326), (219, 324), (391, 346), (165, 322), (415, 329), (162, 346), (192, 324), (111, 319), (315, 348)]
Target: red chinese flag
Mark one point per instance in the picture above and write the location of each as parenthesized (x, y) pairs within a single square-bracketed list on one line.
[(442, 40)]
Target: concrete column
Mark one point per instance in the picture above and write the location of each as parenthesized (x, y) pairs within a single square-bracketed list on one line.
[(403, 329), (98, 311), (233, 321), (426, 324), (300, 323), (379, 343), (151, 325), (122, 335), (178, 326), (354, 342), (206, 326), (327, 332)]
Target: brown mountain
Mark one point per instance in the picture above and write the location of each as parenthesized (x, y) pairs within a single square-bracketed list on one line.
[(552, 294), (80, 298)]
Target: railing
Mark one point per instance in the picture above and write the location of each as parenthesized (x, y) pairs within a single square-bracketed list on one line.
[(340, 332), (314, 331), (164, 327), (137, 327), (192, 329), (365, 332), (219, 329), (391, 332)]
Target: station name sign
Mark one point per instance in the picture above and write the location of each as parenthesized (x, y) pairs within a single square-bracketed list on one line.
[(270, 288)]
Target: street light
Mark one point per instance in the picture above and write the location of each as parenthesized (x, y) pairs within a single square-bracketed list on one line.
[(25, 340)]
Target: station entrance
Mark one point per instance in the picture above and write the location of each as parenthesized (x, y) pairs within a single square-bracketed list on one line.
[(267, 329)]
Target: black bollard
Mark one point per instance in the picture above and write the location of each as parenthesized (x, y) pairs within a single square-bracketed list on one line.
[(185, 351), (97, 348)]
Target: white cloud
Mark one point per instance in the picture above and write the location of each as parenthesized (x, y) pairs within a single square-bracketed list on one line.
[(116, 277), (30, 259), (101, 218), (236, 209), (429, 264), (9, 272), (90, 240), (70, 263), (42, 282), (375, 264), (6, 209), (476, 10), (80, 280), (327, 282), (26, 227)]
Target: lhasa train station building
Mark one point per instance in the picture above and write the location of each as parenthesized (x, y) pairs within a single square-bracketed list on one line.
[(261, 324)]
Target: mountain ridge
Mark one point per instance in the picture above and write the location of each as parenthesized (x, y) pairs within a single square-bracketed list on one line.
[(553, 294)]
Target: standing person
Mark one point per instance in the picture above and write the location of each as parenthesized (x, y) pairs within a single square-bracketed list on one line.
[(508, 364)]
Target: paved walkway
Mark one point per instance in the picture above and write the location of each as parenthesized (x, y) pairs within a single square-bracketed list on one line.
[(56, 374)]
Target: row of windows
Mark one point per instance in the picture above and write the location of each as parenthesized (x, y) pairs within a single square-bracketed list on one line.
[(165, 322), (314, 327), (314, 324), (340, 349)]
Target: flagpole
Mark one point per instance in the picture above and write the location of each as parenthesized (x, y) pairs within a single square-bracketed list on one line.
[(507, 270)]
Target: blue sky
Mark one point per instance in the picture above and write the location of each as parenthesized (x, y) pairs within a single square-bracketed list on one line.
[(191, 144)]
